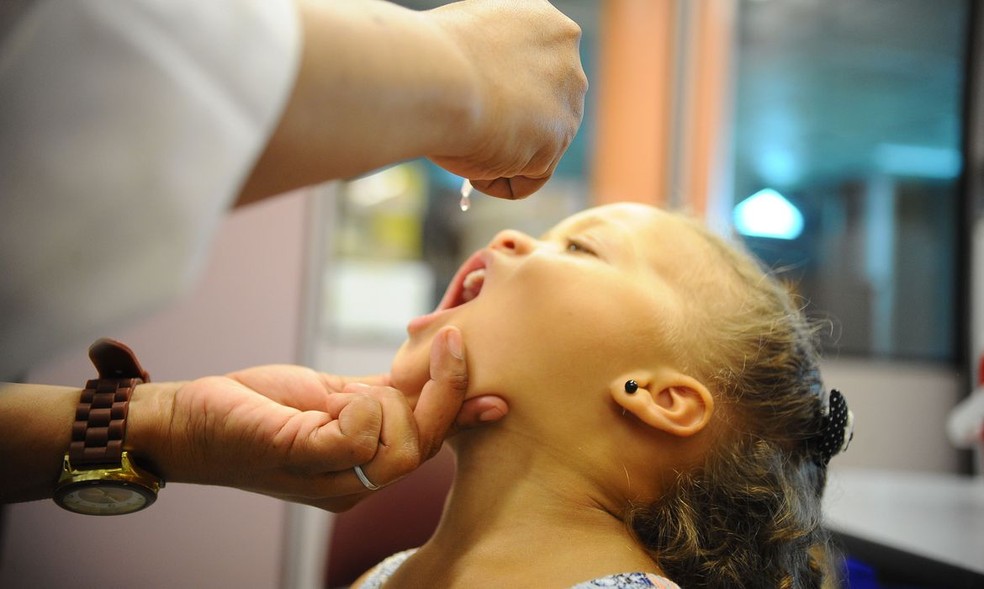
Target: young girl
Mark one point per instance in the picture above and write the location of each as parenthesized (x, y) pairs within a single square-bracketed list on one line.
[(667, 420)]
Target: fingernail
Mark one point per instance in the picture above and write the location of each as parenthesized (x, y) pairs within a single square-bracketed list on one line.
[(492, 414), (454, 344)]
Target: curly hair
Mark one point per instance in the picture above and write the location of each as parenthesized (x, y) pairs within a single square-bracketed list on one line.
[(750, 515)]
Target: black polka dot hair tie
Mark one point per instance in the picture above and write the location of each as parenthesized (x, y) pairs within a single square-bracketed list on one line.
[(836, 429)]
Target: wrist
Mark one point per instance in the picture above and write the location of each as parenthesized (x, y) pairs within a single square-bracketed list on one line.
[(100, 475), (149, 437), (462, 100)]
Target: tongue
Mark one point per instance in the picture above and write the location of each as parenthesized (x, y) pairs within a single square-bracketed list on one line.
[(472, 284)]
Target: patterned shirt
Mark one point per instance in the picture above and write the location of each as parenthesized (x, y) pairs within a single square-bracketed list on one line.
[(385, 570)]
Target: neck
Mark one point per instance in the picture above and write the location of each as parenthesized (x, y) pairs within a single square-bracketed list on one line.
[(509, 502)]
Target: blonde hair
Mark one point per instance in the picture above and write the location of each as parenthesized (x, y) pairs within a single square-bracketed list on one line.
[(750, 515)]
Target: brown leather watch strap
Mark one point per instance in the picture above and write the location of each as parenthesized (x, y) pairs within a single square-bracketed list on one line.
[(100, 419)]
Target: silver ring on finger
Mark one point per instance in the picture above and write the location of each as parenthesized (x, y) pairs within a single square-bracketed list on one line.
[(365, 480)]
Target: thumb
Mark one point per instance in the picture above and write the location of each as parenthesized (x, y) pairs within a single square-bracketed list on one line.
[(442, 396)]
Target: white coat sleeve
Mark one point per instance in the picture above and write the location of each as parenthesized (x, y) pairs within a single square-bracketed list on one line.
[(126, 130)]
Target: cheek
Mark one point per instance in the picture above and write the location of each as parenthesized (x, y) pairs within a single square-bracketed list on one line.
[(548, 343)]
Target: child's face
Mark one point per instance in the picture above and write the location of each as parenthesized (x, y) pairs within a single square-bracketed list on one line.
[(595, 297)]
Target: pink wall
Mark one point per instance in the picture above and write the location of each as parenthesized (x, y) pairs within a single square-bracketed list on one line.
[(245, 310)]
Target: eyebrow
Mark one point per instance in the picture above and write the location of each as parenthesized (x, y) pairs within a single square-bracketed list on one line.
[(580, 225)]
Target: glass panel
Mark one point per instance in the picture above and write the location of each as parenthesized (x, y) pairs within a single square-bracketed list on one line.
[(848, 118)]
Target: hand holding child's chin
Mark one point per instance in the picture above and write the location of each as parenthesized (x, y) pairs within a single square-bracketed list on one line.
[(413, 367)]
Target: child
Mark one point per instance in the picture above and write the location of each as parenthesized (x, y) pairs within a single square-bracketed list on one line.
[(667, 420)]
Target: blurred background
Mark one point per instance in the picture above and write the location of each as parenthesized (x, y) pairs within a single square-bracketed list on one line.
[(840, 139)]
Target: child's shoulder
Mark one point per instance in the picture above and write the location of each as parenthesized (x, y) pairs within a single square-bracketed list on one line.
[(377, 575)]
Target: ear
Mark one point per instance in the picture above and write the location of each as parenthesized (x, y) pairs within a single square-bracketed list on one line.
[(669, 401)]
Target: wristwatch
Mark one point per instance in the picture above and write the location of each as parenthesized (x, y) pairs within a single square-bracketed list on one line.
[(99, 477)]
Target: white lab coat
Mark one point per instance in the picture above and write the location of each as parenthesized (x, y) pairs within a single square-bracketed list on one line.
[(126, 130)]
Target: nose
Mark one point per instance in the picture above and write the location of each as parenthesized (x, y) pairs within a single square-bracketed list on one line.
[(511, 241)]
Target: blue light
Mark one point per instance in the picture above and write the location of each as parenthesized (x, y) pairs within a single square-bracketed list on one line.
[(918, 160), (768, 214)]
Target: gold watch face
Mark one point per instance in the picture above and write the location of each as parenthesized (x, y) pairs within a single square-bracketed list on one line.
[(104, 497)]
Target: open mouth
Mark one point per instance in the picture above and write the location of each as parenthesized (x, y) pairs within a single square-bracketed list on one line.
[(465, 287), (466, 284)]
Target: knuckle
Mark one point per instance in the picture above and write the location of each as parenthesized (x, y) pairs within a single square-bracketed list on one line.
[(363, 448), (458, 381), (407, 459), (573, 30)]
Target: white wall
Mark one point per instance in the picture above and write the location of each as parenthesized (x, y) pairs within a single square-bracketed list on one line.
[(900, 411), (245, 311)]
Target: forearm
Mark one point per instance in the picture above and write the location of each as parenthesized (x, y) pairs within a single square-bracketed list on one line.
[(36, 421), (377, 84)]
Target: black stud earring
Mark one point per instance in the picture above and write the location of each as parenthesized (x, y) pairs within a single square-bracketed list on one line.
[(631, 386)]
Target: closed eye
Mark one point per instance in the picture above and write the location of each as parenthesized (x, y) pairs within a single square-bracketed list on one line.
[(578, 247)]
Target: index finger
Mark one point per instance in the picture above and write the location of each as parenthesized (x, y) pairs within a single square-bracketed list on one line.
[(346, 435), (442, 396), (515, 188), (335, 382)]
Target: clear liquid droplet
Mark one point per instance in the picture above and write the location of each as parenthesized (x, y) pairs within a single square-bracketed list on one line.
[(466, 190)]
